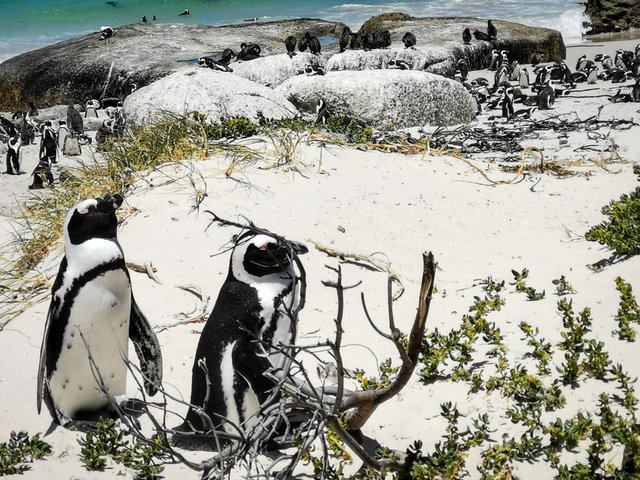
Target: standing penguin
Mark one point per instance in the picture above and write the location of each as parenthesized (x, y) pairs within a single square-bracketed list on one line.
[(466, 36), (409, 40), (241, 338), (290, 43), (83, 359), (523, 78), (492, 31), (345, 36), (313, 43)]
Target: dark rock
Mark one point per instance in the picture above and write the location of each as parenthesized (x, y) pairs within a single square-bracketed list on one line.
[(441, 38), (611, 16), (84, 67)]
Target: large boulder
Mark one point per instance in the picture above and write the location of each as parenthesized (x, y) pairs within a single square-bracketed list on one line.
[(609, 16), (384, 99), (275, 69), (219, 95), (441, 40), (432, 59), (84, 67)]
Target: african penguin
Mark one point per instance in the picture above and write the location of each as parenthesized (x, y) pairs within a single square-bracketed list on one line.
[(249, 51), (492, 31), (466, 36), (345, 36), (290, 43), (313, 43), (92, 314), (107, 33), (409, 40), (239, 342)]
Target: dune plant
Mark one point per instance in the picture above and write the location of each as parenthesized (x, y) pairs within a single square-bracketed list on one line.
[(19, 451), (621, 231)]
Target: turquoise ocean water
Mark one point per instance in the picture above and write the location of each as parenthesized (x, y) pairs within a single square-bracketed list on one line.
[(29, 24)]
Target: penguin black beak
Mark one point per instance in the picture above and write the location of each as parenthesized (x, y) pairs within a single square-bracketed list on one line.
[(298, 248)]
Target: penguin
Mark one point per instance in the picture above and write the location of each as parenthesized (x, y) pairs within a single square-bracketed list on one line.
[(302, 44), (546, 97), (239, 342), (400, 64), (607, 63), (227, 55), (144, 19), (494, 60), (311, 70), (592, 75), (345, 36), (357, 41), (209, 62), (507, 104), (466, 36), (409, 40), (368, 42), (107, 33), (464, 69), (91, 316), (313, 43), (290, 42), (249, 51), (74, 120), (382, 39), (322, 114), (13, 155), (184, 12), (481, 36), (515, 71), (492, 31), (581, 63), (635, 91)]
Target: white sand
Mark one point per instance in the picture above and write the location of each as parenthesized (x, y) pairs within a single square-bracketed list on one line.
[(366, 202)]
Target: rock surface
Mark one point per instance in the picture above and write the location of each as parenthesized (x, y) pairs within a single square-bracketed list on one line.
[(217, 94), (139, 54), (384, 98), (275, 69), (84, 67), (609, 16), (439, 41)]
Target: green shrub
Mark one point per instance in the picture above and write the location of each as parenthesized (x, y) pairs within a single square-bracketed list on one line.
[(19, 450), (621, 232)]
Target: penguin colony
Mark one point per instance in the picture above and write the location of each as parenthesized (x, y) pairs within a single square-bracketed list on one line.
[(514, 85)]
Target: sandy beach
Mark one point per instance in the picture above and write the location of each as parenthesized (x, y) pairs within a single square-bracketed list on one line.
[(479, 221)]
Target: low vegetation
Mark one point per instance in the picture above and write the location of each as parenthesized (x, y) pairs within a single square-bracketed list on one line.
[(621, 231), (20, 451)]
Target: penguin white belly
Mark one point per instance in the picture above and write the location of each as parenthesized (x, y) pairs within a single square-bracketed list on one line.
[(100, 317), (282, 334)]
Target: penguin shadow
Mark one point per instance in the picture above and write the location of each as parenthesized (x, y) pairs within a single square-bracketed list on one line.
[(132, 408), (607, 262)]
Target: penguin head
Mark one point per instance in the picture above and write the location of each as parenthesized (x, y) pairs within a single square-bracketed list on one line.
[(92, 218), (257, 256)]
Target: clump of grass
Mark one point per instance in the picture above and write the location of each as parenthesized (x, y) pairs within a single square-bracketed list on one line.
[(38, 224)]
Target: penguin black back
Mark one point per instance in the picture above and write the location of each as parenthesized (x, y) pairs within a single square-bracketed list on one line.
[(344, 39), (409, 40), (249, 319)]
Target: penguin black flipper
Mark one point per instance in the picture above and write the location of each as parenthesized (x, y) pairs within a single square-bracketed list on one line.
[(49, 352), (147, 348)]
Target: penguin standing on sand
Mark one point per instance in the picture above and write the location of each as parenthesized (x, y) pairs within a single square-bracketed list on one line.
[(83, 359), (240, 340), (13, 155), (507, 104)]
